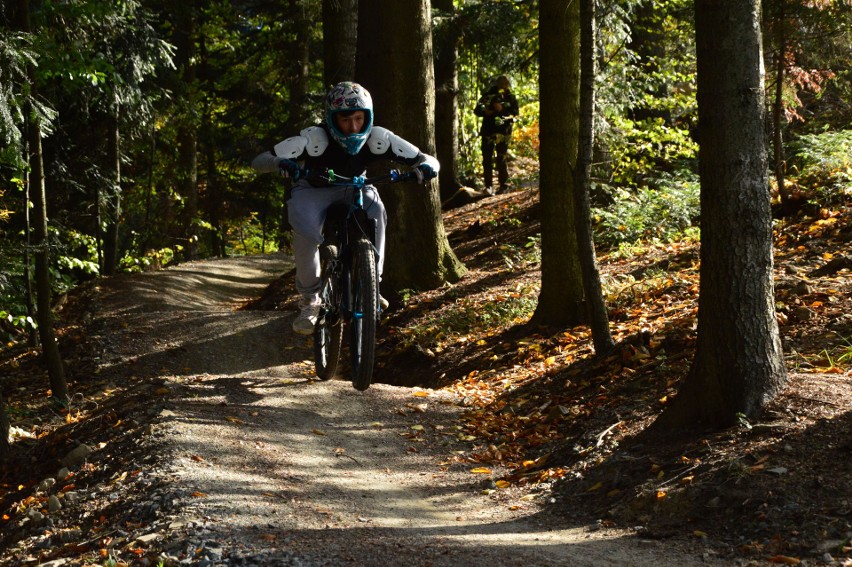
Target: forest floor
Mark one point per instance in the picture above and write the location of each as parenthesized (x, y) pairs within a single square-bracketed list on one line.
[(197, 435)]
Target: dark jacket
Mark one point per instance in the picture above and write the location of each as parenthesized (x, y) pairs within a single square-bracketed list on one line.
[(499, 122)]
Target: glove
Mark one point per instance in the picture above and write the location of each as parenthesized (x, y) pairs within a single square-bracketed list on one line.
[(289, 168), (424, 173)]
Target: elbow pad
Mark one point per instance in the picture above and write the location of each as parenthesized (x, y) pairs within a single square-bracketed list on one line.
[(382, 139), (312, 140)]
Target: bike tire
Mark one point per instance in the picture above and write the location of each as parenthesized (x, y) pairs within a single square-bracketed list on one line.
[(362, 326), (328, 332)]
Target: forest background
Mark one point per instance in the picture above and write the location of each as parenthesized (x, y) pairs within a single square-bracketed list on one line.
[(151, 112), (128, 128)]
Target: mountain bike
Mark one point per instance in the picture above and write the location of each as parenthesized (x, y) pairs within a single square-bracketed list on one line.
[(349, 288)]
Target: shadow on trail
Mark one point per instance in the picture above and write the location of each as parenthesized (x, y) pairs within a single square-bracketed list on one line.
[(216, 343)]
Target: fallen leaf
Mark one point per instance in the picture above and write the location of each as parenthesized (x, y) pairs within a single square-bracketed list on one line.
[(481, 470), (784, 560), (233, 419), (420, 394)]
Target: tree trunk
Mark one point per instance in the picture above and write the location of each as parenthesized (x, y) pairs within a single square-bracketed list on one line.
[(187, 136), (340, 33), (4, 430), (738, 364), (49, 349), (32, 332), (598, 318), (113, 197), (398, 71), (560, 302), (778, 110), (300, 67), (446, 40)]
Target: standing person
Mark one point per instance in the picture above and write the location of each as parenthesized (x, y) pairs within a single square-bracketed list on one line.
[(498, 108), (345, 142)]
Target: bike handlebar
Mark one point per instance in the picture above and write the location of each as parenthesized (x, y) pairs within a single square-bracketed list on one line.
[(394, 176)]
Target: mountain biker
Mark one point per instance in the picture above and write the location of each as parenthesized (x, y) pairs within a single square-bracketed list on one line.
[(345, 142)]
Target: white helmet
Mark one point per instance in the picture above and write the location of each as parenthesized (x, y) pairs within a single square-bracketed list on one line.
[(347, 97)]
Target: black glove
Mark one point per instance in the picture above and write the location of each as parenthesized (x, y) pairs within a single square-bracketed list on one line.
[(425, 172), (289, 168)]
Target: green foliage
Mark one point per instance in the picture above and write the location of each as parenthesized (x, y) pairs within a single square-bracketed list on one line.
[(645, 146), (646, 93), (151, 260), (662, 210), (247, 237), (823, 163)]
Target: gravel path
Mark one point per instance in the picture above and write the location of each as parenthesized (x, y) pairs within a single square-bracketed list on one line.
[(267, 466)]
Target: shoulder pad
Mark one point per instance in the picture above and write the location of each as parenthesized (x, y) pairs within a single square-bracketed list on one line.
[(314, 140), (317, 140), (291, 148), (381, 139)]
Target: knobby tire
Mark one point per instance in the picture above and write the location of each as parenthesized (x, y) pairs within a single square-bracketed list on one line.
[(328, 332), (365, 293)]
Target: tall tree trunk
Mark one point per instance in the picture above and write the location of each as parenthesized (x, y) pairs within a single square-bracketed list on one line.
[(598, 318), (300, 53), (446, 40), (778, 108), (340, 33), (4, 430), (113, 197), (399, 73), (187, 136), (32, 332), (738, 364), (49, 348), (560, 301)]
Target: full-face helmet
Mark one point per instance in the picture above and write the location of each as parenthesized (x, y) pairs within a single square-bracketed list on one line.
[(348, 97)]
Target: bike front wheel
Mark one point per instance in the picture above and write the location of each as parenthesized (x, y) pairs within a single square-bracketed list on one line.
[(328, 332), (365, 293)]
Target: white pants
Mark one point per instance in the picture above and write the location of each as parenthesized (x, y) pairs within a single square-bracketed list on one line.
[(306, 211)]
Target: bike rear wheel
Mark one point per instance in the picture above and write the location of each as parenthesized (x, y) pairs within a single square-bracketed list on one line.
[(365, 293), (328, 332)]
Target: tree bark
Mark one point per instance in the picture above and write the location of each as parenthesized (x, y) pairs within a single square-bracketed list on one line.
[(187, 136), (112, 200), (4, 430), (50, 350), (446, 40), (598, 318), (778, 109), (298, 81), (560, 302), (340, 34), (738, 364), (399, 73)]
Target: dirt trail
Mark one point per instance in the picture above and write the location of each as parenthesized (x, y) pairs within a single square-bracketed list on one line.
[(273, 467)]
